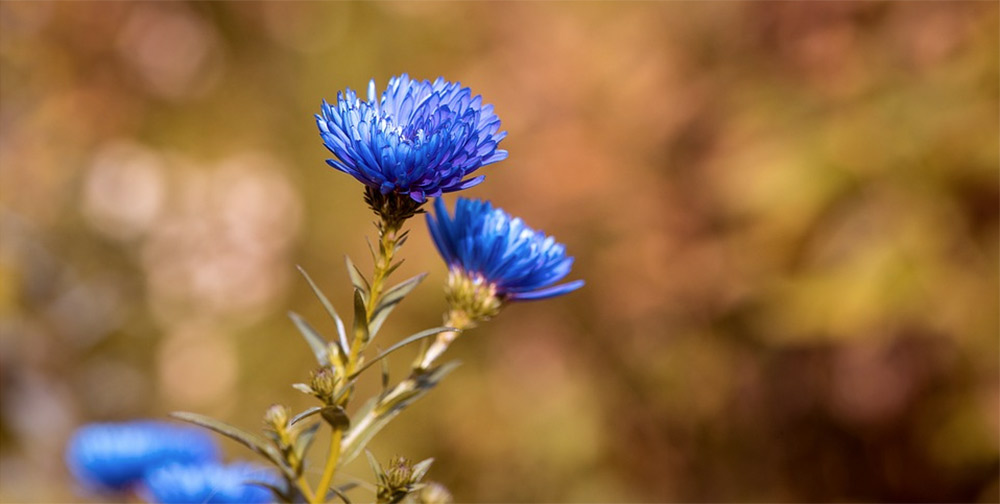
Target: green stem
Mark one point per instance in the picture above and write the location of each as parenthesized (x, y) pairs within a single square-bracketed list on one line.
[(388, 242), (455, 318), (331, 465)]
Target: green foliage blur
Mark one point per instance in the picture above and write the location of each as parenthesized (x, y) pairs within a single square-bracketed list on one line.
[(786, 214)]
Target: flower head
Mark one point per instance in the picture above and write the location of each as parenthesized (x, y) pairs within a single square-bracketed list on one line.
[(420, 139), (488, 249), (207, 483), (113, 456)]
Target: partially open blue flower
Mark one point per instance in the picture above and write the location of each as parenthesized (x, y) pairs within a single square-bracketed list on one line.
[(421, 138), (210, 483), (482, 241), (113, 456)]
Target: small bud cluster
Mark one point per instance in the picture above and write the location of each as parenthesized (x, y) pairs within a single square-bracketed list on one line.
[(401, 478)]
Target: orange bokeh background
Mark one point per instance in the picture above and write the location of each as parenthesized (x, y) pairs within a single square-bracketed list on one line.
[(786, 215)]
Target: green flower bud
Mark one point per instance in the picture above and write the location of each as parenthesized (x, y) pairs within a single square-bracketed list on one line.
[(324, 384), (276, 418), (434, 493)]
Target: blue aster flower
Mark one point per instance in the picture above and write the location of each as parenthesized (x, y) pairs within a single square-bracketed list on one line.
[(488, 245), (113, 456), (210, 483), (421, 138)]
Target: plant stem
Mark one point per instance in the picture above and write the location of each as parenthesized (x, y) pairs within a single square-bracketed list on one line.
[(304, 488), (456, 319), (388, 242), (331, 465)]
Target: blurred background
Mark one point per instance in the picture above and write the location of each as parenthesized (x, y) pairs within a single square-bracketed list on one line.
[(786, 215)]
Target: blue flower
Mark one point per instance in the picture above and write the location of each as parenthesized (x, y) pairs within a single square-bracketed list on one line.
[(486, 242), (420, 139), (224, 484), (113, 456)]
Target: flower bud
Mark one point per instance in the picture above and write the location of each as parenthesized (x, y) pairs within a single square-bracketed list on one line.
[(434, 493), (276, 417), (324, 384)]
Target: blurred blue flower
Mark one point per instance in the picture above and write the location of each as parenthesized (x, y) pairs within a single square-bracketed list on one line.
[(519, 262), (113, 456), (421, 138), (224, 484)]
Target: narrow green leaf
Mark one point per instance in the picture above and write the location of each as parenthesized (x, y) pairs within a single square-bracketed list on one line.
[(375, 417), (420, 469), (328, 306), (390, 299), (401, 240), (305, 439), (252, 441), (356, 277), (305, 389), (305, 414), (402, 343), (360, 318), (397, 292), (371, 249), (385, 375), (339, 493), (281, 493), (316, 342), (376, 467), (394, 267)]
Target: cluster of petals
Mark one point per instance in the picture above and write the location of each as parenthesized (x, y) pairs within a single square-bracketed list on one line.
[(486, 242), (420, 138), (161, 461)]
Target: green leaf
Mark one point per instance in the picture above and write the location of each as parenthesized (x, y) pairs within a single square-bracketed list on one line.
[(339, 493), (280, 492), (252, 441), (316, 342), (305, 389), (376, 415), (356, 277), (376, 467), (385, 375), (390, 299), (402, 343), (329, 307), (360, 318), (304, 440), (394, 267), (305, 414), (420, 469)]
